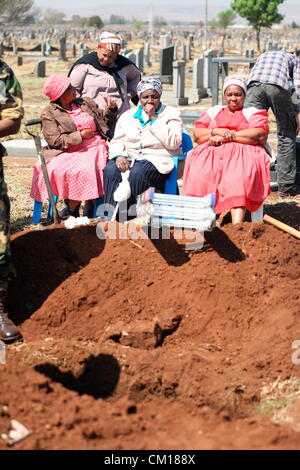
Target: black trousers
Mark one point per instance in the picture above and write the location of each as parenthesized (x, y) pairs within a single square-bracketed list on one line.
[(143, 174)]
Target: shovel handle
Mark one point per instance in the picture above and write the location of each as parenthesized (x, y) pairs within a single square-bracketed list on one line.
[(33, 122), (282, 226)]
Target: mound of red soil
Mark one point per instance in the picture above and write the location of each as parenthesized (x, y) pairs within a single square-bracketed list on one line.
[(138, 344)]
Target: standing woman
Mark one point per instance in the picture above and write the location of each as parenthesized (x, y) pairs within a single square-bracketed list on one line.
[(230, 159), (76, 131), (106, 73)]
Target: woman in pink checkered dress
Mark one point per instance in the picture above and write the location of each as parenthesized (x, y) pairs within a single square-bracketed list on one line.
[(76, 131)]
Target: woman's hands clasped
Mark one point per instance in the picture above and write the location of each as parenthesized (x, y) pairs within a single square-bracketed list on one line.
[(219, 136), (87, 133), (122, 164)]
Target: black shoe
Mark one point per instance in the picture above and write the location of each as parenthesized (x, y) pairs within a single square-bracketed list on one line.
[(88, 210), (287, 190), (8, 330)]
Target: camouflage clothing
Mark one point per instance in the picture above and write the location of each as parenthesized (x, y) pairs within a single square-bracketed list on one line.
[(10, 108)]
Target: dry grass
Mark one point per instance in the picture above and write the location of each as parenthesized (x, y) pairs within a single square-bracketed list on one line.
[(279, 401)]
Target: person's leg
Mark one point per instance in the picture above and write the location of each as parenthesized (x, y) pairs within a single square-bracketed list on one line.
[(71, 209), (142, 175), (112, 178), (238, 215), (8, 330), (73, 205), (256, 96), (285, 113)]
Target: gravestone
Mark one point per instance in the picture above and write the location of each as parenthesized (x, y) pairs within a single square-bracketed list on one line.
[(132, 57), (166, 64), (40, 69), (147, 58), (178, 82), (62, 49), (73, 50), (175, 56), (198, 78), (43, 48), (140, 59), (165, 41), (48, 48), (81, 49), (20, 60), (183, 52), (208, 56)]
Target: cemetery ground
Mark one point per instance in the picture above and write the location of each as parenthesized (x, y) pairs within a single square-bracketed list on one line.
[(138, 344)]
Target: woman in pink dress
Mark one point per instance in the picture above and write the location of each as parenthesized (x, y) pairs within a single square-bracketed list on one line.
[(230, 159), (76, 131)]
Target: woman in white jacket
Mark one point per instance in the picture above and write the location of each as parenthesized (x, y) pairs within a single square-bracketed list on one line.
[(145, 141)]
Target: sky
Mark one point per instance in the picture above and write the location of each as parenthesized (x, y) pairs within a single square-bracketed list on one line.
[(187, 10)]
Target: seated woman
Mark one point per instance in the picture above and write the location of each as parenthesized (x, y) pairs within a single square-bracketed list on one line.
[(230, 159), (76, 131), (145, 141)]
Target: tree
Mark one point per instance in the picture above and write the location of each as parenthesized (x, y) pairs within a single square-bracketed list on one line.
[(225, 19), (259, 13), (137, 24), (159, 21), (294, 25), (115, 19), (15, 11), (51, 17), (96, 22), (75, 19)]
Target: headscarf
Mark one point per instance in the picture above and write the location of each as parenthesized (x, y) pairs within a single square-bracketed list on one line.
[(149, 83), (55, 86), (110, 41), (235, 80)]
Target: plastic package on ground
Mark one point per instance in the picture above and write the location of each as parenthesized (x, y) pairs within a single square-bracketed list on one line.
[(72, 222)]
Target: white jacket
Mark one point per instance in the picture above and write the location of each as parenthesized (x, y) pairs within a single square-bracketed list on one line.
[(157, 142)]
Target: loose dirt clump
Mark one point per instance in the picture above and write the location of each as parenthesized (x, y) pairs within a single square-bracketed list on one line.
[(147, 346)]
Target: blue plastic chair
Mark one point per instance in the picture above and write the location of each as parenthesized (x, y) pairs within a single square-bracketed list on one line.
[(37, 209), (171, 186)]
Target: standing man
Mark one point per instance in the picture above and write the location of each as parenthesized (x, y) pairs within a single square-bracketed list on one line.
[(11, 113), (274, 82)]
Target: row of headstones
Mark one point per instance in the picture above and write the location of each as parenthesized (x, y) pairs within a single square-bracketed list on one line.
[(142, 57)]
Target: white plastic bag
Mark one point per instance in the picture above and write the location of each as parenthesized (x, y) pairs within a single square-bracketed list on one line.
[(123, 192)]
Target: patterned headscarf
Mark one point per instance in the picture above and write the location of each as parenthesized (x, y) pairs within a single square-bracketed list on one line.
[(110, 41), (235, 80), (149, 83)]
